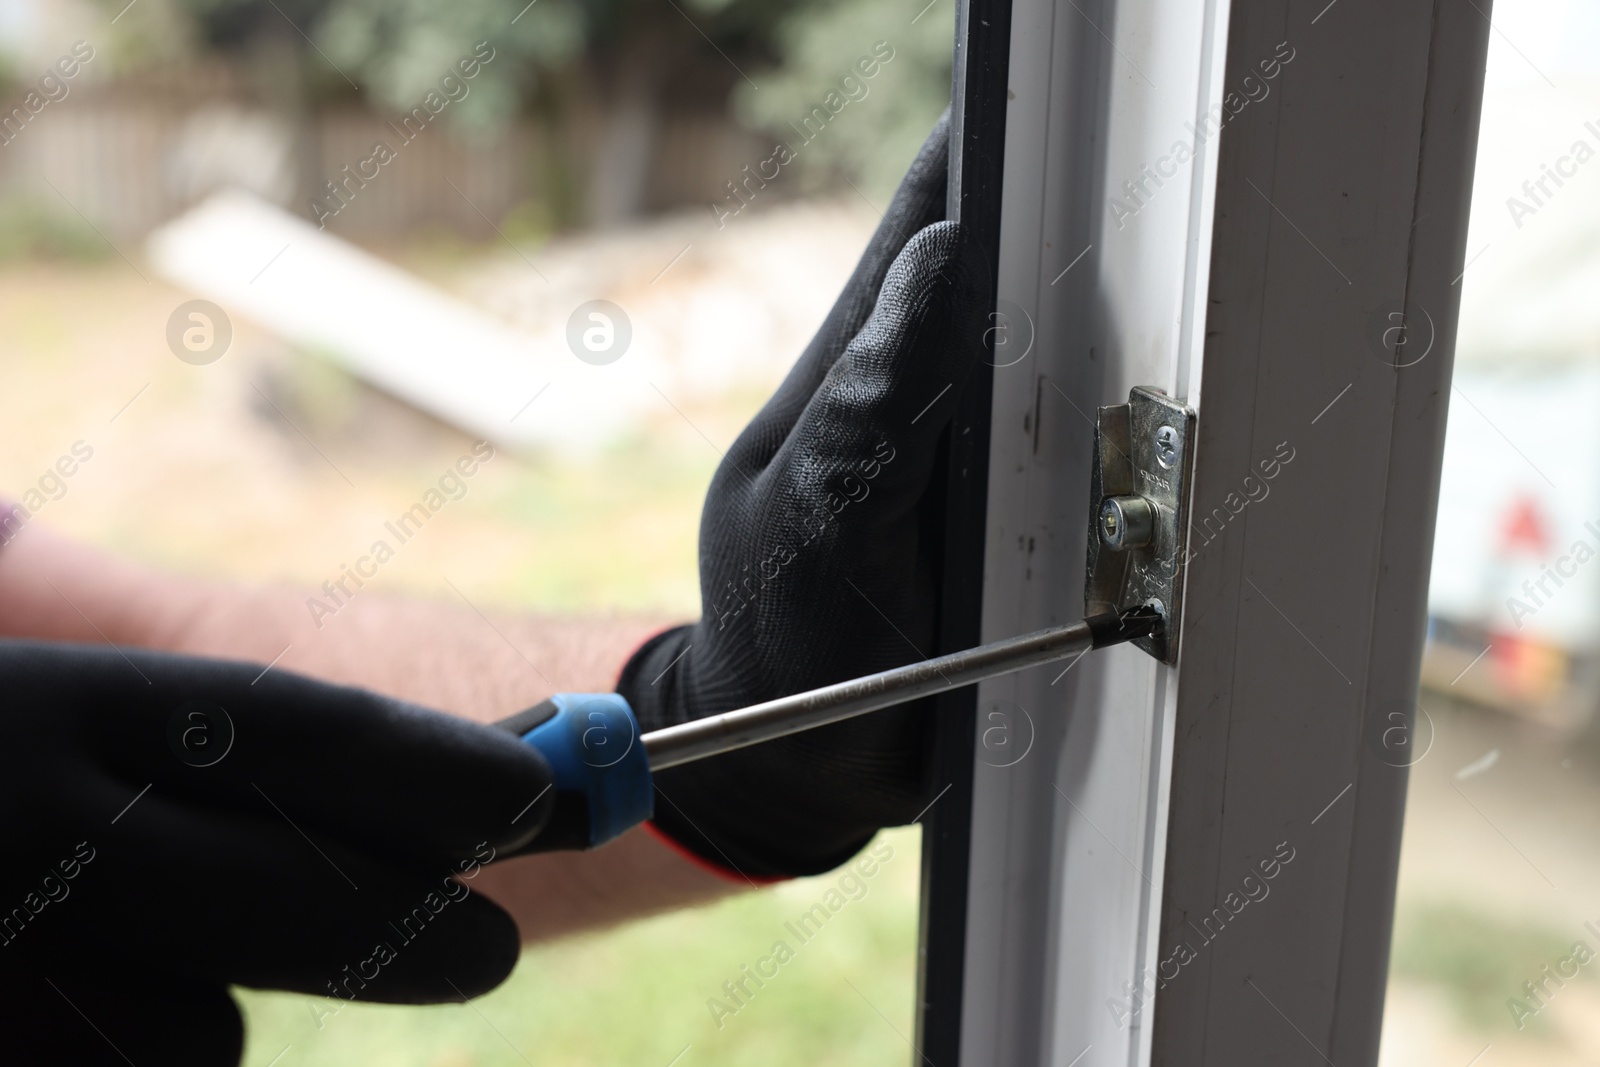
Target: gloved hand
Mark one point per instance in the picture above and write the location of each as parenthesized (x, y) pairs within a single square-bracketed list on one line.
[(173, 825), (818, 555)]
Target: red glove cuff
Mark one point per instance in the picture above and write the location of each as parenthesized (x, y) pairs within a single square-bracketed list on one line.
[(727, 874)]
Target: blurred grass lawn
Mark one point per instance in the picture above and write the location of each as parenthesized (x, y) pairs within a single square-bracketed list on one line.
[(638, 995), (198, 474), (1477, 959)]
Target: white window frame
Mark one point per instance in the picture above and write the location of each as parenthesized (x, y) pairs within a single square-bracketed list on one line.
[(1251, 283)]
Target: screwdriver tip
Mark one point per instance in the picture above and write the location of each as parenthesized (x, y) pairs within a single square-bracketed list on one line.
[(1113, 628)]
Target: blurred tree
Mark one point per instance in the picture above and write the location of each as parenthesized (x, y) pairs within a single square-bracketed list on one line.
[(601, 74), (873, 139)]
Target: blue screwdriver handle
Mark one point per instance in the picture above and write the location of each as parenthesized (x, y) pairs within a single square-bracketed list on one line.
[(601, 774)]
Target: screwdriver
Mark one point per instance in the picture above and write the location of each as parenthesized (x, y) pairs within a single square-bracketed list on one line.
[(602, 764)]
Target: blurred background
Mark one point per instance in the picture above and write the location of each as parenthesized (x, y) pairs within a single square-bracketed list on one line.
[(1500, 860), (398, 256), (346, 354)]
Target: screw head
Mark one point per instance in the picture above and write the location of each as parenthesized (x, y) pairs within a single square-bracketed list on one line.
[(1126, 522), (1108, 521), (1166, 446)]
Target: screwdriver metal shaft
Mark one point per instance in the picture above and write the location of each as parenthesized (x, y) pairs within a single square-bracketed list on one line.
[(731, 730)]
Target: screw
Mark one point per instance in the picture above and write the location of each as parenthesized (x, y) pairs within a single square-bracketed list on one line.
[(1166, 446), (1126, 522)]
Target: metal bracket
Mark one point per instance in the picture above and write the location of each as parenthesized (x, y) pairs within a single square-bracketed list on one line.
[(1139, 512)]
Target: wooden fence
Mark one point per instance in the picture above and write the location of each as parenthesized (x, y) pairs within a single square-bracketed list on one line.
[(128, 164)]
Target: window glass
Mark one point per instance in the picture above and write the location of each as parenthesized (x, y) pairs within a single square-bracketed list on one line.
[(271, 270), (1495, 933)]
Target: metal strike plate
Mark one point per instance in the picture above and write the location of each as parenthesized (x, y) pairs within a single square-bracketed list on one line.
[(1139, 500)]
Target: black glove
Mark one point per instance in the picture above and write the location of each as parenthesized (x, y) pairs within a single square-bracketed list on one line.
[(173, 825), (819, 549)]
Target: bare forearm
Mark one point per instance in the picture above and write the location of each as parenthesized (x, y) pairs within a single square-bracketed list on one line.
[(444, 655)]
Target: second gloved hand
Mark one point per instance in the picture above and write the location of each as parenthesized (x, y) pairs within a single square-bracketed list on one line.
[(176, 825), (818, 560)]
